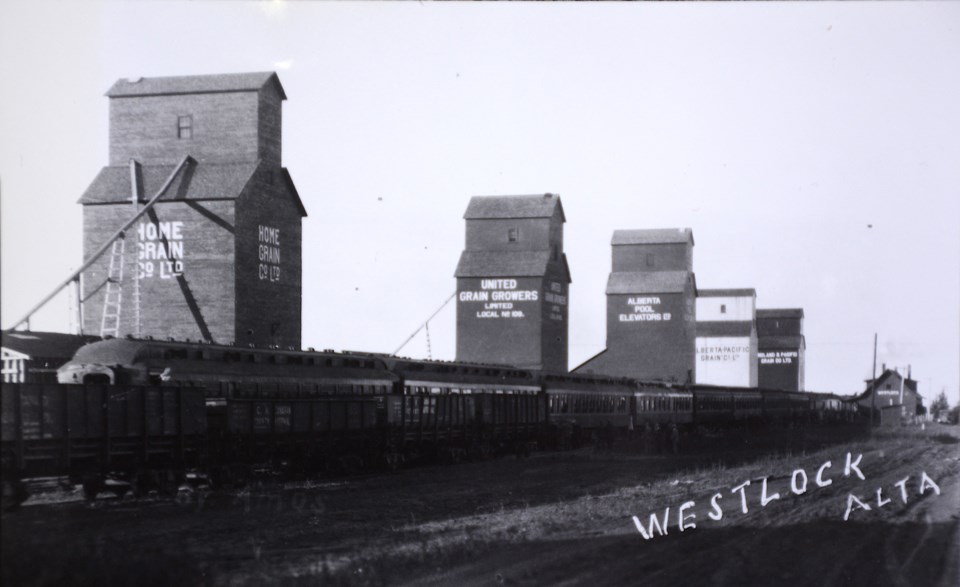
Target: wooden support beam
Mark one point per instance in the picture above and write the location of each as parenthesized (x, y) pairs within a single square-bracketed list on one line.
[(92, 259)]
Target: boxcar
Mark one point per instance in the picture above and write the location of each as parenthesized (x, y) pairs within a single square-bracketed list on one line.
[(91, 431), (339, 411)]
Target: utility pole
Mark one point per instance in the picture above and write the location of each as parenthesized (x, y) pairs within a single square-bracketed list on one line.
[(873, 383)]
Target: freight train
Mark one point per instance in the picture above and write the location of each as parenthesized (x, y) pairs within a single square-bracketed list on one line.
[(147, 411)]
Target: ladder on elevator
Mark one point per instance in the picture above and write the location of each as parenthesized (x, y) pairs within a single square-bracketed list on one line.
[(113, 298)]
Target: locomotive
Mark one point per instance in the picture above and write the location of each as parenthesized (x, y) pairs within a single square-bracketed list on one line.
[(144, 409)]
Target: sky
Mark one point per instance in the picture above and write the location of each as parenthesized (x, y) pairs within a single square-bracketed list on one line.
[(813, 149)]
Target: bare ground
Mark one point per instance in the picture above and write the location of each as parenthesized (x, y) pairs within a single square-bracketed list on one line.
[(554, 518)]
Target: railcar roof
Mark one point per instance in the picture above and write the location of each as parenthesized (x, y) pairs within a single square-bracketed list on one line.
[(559, 381), (109, 352), (124, 350), (467, 371)]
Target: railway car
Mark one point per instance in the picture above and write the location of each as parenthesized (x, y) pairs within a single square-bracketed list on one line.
[(92, 432), (717, 406), (589, 402), (781, 407), (713, 406), (583, 408), (833, 409), (306, 409), (264, 406), (329, 420), (850, 409), (147, 407), (800, 407), (455, 409), (662, 404), (220, 368)]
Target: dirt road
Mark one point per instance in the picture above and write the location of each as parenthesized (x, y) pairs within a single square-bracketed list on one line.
[(559, 519), (794, 539)]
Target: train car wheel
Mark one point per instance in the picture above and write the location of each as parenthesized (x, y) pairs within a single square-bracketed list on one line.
[(14, 494), (392, 461), (92, 488), (120, 491), (141, 483)]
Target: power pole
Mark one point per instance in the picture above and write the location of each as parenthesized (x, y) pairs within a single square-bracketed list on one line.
[(873, 383)]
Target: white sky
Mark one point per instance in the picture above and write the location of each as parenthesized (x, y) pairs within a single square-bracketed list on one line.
[(777, 132)]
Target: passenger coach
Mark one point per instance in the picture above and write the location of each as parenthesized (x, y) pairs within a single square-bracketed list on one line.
[(454, 408)]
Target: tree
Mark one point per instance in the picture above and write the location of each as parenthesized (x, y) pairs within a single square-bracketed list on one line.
[(939, 405)]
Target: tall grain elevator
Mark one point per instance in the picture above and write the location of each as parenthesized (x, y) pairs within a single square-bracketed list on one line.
[(216, 252), (727, 337), (513, 283), (651, 311), (781, 347)]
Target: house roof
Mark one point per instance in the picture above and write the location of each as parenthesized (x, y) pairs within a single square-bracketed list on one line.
[(195, 84), (780, 313), (908, 384), (45, 344), (888, 373), (503, 264), (724, 328), (200, 181), (648, 282), (727, 293), (652, 236), (490, 207)]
